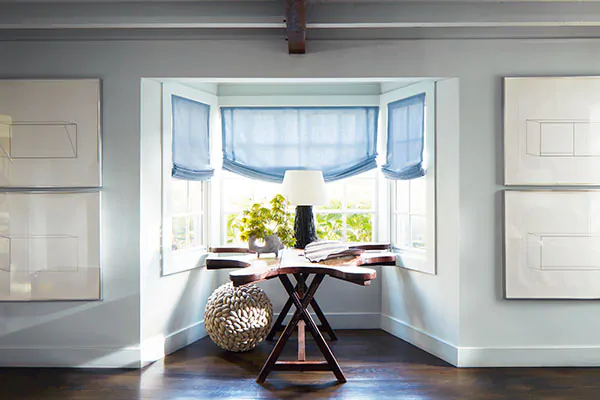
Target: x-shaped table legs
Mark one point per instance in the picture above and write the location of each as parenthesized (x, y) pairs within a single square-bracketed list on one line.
[(278, 325), (302, 300)]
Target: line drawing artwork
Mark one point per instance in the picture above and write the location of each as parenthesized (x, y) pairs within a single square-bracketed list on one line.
[(38, 253), (50, 189), (562, 138), (555, 251), (552, 131), (49, 246), (552, 244), (50, 133), (53, 140)]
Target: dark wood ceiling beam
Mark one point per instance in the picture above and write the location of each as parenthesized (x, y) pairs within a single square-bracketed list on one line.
[(295, 26)]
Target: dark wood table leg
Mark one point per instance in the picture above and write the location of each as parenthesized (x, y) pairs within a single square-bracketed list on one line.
[(301, 330), (278, 324), (302, 313)]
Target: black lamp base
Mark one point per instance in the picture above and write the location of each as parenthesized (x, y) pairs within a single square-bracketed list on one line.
[(304, 226)]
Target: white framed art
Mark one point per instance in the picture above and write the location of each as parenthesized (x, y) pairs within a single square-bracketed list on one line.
[(552, 244), (552, 131), (49, 246), (50, 133)]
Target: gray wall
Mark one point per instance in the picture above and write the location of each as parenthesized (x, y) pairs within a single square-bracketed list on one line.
[(172, 307), (107, 332), (486, 321), (423, 308)]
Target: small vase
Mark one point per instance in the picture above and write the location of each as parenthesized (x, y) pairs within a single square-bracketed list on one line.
[(272, 245)]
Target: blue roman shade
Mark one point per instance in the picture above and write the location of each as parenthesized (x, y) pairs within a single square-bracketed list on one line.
[(191, 142), (263, 142), (405, 141)]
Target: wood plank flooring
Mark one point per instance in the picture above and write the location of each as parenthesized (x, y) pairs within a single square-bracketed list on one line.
[(377, 365)]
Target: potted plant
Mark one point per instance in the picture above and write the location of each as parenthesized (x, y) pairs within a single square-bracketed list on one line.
[(272, 225)]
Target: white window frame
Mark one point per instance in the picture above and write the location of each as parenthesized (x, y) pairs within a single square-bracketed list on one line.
[(174, 261), (411, 258), (345, 211), (309, 101)]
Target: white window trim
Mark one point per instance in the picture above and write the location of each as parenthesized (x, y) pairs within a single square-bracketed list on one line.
[(415, 259), (174, 261)]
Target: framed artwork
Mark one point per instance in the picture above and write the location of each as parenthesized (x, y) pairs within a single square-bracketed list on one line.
[(50, 133), (552, 244), (49, 246), (552, 131)]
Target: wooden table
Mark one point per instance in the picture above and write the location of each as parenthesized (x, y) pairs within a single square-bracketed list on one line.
[(293, 262)]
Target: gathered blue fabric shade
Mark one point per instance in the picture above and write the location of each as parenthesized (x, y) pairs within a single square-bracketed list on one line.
[(263, 142), (191, 142), (406, 138)]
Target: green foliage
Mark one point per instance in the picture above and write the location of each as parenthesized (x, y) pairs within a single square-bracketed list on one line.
[(260, 221), (233, 231), (330, 226), (359, 228)]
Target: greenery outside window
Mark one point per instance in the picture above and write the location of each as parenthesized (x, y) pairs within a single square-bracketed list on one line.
[(350, 214)]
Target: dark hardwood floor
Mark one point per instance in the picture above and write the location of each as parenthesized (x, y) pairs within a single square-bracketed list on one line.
[(377, 365)]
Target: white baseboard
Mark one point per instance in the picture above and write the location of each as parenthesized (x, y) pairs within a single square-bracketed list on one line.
[(423, 340), (75, 357), (551, 356), (101, 357), (158, 347), (184, 337), (472, 357), (368, 320)]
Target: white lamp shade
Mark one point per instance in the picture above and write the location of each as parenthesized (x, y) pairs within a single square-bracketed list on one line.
[(304, 188)]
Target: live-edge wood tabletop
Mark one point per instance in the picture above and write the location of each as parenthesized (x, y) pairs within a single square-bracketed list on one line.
[(251, 269)]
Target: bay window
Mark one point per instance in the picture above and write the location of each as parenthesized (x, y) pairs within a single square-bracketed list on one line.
[(258, 143)]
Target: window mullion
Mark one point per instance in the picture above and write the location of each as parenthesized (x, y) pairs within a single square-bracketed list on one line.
[(187, 215)]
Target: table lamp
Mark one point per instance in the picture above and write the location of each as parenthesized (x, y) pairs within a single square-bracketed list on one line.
[(304, 189)]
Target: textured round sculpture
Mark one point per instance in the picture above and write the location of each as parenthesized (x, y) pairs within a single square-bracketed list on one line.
[(238, 318)]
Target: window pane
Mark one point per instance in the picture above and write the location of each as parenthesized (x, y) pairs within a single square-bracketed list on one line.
[(335, 194), (359, 227), (418, 232), (402, 197), (237, 194), (418, 196), (179, 233), (196, 197), (232, 234), (265, 191), (179, 197), (329, 226), (195, 234), (360, 194), (402, 231)]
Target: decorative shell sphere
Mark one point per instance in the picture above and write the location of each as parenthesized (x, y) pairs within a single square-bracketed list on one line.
[(238, 318)]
